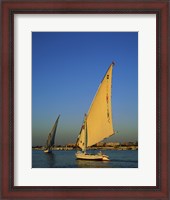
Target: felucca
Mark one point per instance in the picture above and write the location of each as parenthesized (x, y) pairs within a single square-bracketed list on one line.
[(97, 123), (51, 137)]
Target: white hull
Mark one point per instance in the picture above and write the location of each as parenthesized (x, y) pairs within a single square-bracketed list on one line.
[(47, 151), (85, 156)]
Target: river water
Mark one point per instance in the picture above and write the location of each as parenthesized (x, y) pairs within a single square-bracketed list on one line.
[(66, 159)]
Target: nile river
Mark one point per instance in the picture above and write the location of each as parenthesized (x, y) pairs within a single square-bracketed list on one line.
[(66, 159)]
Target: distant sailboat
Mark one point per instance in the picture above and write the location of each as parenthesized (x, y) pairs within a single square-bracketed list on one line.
[(51, 137), (97, 123)]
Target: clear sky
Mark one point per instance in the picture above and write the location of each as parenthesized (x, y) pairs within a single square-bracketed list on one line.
[(67, 68)]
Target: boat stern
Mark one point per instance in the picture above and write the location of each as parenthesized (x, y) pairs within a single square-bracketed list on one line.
[(105, 158)]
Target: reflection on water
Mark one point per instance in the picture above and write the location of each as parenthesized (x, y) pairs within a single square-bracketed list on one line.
[(50, 159)]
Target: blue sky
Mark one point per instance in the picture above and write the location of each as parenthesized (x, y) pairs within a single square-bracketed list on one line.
[(67, 68)]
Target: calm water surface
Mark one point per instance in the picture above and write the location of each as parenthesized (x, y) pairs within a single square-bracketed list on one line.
[(66, 159)]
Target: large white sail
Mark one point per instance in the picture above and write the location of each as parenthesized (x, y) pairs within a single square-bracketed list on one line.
[(99, 118)]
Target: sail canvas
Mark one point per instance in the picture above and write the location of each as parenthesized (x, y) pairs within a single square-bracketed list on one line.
[(51, 135), (53, 132), (99, 118)]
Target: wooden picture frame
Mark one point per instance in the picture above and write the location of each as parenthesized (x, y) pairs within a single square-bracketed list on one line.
[(11, 7)]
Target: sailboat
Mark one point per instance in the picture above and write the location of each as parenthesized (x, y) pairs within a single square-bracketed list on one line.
[(97, 124), (51, 137)]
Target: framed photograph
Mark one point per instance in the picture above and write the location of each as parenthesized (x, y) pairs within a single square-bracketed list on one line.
[(84, 99)]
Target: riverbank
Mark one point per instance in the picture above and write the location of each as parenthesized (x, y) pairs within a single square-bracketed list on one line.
[(67, 148)]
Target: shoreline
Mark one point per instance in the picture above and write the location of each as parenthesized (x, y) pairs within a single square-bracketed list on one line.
[(121, 148)]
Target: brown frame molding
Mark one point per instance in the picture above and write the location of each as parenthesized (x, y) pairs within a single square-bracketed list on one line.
[(11, 7)]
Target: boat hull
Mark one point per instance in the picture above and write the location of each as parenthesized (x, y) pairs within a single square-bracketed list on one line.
[(47, 151), (85, 156)]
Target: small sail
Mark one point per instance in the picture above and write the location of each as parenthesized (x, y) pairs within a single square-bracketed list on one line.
[(53, 132), (99, 117), (81, 140), (51, 136)]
